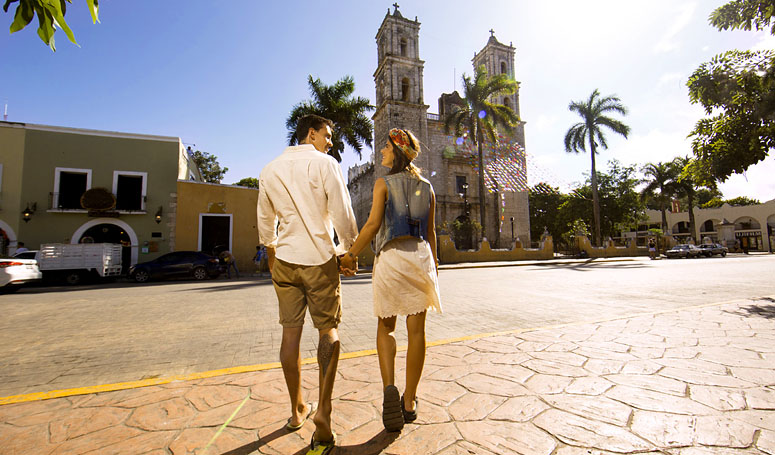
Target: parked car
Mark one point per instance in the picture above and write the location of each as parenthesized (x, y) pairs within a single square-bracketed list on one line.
[(709, 249), (683, 251), (179, 264), (18, 270)]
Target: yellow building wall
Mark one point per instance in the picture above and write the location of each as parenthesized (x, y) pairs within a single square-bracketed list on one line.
[(12, 159), (196, 198)]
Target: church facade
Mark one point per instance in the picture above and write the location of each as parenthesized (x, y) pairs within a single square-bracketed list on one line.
[(400, 104)]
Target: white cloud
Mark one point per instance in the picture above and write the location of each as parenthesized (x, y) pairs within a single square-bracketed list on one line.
[(756, 183), (669, 42), (670, 79), (544, 123), (654, 146), (766, 41)]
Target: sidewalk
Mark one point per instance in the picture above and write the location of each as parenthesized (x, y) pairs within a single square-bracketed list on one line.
[(689, 382)]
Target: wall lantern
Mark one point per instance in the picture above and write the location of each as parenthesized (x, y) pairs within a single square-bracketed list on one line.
[(158, 215), (29, 211)]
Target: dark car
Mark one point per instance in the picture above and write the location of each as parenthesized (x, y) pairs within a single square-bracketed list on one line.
[(683, 251), (709, 249), (179, 264)]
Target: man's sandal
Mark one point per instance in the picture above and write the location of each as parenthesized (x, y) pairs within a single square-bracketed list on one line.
[(312, 408), (322, 447)]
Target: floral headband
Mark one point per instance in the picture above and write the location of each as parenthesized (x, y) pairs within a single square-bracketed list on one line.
[(401, 139)]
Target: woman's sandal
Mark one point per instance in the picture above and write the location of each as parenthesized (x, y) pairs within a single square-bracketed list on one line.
[(392, 417), (409, 416)]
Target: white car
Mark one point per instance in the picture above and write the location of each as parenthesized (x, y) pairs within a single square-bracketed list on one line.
[(20, 269)]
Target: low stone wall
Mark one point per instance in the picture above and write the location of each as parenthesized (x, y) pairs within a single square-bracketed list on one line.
[(609, 250), (448, 254)]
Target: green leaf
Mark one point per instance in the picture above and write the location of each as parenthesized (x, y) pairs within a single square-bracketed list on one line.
[(93, 9), (24, 15), (45, 26), (55, 8)]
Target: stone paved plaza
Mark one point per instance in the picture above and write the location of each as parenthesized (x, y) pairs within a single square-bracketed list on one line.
[(691, 381)]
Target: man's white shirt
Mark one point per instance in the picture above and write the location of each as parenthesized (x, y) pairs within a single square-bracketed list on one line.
[(304, 190)]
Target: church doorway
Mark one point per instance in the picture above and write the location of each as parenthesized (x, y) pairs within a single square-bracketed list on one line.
[(110, 233)]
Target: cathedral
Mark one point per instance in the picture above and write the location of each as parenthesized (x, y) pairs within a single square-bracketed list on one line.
[(400, 103)]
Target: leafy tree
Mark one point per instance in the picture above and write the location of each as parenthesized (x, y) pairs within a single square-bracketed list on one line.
[(660, 186), (335, 102), (686, 187), (621, 206), (544, 202), (704, 195), (479, 115), (209, 167), (593, 113), (738, 201), (739, 88), (51, 14), (250, 182)]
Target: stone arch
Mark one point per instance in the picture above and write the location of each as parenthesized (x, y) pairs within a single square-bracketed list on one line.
[(76, 237), (709, 225), (504, 68), (403, 45), (747, 222), (681, 227)]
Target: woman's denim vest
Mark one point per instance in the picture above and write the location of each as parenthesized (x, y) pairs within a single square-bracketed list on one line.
[(406, 209)]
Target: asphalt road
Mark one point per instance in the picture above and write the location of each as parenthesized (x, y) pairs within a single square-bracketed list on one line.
[(65, 337)]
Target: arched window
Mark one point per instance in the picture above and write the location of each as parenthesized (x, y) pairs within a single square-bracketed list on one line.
[(405, 89), (506, 102), (503, 67), (403, 47)]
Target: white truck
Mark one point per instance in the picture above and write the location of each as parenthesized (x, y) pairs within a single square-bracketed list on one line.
[(75, 262)]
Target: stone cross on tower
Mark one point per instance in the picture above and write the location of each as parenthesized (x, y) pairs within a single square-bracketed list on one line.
[(492, 32), (395, 5)]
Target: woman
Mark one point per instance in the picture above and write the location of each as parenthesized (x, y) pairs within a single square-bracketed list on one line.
[(405, 277)]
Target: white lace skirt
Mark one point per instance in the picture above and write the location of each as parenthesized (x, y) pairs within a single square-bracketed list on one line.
[(404, 279)]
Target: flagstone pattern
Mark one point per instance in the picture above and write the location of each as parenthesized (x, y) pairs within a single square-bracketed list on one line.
[(688, 382)]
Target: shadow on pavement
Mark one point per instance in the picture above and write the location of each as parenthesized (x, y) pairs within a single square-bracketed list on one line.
[(764, 311), (375, 445), (590, 265)]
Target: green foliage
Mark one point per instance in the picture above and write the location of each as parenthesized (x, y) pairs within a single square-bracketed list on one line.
[(209, 167), (590, 130), (745, 15), (463, 231), (660, 186), (738, 201), (480, 116), (738, 87), (578, 227), (51, 14), (705, 195), (621, 207), (335, 102), (544, 202), (250, 182)]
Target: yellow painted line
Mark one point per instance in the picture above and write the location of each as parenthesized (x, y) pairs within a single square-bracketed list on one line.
[(39, 396)]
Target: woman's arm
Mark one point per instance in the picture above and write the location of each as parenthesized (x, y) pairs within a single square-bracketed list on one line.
[(432, 229), (372, 225)]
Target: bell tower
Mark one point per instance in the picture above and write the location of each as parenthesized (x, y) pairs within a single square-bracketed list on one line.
[(399, 83)]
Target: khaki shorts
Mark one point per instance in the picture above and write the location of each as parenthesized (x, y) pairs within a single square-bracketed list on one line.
[(315, 286)]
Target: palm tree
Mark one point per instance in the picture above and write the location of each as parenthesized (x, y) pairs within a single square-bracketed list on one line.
[(334, 102), (480, 116), (593, 111), (662, 177), (686, 187)]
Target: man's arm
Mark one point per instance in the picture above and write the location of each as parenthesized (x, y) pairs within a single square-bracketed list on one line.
[(266, 218), (339, 205)]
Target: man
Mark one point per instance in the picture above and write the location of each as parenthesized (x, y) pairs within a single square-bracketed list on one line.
[(303, 189), (20, 248), (230, 262)]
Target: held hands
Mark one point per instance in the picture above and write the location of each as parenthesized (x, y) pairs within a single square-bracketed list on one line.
[(348, 264)]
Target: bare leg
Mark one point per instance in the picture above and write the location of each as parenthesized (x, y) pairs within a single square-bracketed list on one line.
[(290, 358), (386, 349), (328, 359), (415, 357)]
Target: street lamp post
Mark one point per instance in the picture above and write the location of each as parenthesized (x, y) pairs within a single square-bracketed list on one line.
[(466, 208), (512, 230)]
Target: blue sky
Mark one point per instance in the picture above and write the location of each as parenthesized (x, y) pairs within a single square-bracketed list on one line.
[(225, 77)]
